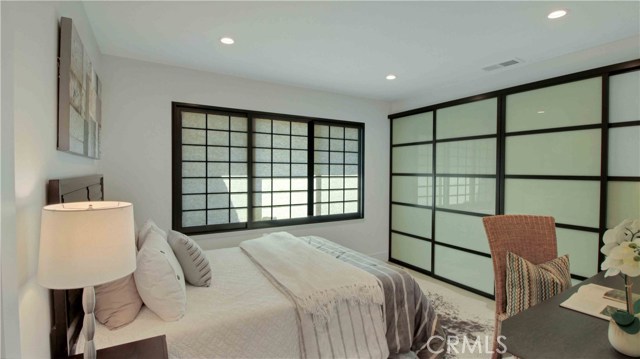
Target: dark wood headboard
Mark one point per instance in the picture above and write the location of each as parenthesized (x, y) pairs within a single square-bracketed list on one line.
[(66, 305)]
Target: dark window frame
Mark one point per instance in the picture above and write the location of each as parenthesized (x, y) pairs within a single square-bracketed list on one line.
[(176, 169)]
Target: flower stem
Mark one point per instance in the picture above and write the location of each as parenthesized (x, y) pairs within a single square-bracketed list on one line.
[(627, 286)]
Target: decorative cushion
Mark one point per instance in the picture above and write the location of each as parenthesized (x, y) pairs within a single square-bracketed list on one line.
[(194, 262), (528, 284), (117, 302), (160, 279), (144, 231)]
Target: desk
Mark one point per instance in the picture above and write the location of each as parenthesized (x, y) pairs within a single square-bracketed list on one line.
[(547, 330)]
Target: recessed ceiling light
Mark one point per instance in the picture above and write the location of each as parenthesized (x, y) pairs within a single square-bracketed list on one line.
[(540, 111), (391, 77), (557, 14), (227, 40)]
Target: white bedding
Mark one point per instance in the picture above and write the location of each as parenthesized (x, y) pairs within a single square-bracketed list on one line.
[(215, 323), (242, 315)]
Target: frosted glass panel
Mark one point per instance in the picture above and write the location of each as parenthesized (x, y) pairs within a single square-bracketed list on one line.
[(412, 159), (218, 122), (574, 153), (283, 127), (623, 202), (238, 123), (411, 250), (582, 247), (193, 119), (572, 104), (194, 202), (465, 268), (470, 119), (193, 137), (191, 185), (624, 92), (411, 220), (570, 202), (466, 157), (461, 230), (195, 218), (190, 169), (416, 128), (412, 189), (194, 153), (466, 194), (624, 151)]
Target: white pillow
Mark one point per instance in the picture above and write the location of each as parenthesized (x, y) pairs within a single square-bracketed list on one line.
[(144, 231), (160, 279)]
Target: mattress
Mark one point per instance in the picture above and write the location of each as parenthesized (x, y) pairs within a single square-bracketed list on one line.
[(217, 317)]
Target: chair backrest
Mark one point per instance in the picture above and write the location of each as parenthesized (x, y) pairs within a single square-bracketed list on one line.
[(530, 237)]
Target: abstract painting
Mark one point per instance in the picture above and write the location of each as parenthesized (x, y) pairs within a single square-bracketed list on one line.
[(79, 96)]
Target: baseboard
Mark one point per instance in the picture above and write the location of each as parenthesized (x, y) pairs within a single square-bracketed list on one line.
[(383, 256)]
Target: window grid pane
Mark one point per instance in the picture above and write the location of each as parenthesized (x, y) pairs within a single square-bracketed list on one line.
[(214, 169), (278, 170), (336, 168)]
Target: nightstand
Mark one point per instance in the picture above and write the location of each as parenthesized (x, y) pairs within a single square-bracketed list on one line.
[(150, 348)]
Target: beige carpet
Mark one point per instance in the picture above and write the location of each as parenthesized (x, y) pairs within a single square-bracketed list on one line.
[(463, 314)]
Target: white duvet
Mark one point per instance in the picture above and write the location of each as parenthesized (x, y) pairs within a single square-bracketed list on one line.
[(242, 315)]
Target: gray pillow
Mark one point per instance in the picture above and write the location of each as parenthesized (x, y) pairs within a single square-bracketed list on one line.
[(193, 260)]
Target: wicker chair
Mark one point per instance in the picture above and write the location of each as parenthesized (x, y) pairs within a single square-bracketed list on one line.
[(530, 237)]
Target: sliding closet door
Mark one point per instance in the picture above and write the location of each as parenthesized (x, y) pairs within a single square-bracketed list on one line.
[(553, 164), (567, 147), (465, 176), (412, 190), (623, 199)]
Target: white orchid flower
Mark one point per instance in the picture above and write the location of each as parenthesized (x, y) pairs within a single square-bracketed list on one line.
[(631, 258), (626, 231), (612, 266), (622, 249), (624, 258), (612, 238)]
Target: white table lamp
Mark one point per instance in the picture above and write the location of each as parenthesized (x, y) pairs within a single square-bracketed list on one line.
[(84, 244)]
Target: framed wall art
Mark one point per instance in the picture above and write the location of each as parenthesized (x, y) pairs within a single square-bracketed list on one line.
[(79, 96)]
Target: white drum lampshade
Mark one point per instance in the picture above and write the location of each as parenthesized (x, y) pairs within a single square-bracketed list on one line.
[(84, 244)]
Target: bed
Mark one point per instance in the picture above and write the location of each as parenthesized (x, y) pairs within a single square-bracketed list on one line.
[(243, 315)]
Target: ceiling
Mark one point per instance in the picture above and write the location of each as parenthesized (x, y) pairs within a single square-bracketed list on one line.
[(349, 47)]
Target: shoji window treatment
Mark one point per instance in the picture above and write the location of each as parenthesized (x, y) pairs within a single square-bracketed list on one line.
[(239, 169)]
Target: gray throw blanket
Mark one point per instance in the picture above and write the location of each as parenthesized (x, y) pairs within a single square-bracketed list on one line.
[(412, 324)]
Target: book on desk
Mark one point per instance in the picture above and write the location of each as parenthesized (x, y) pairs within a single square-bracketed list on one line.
[(597, 301)]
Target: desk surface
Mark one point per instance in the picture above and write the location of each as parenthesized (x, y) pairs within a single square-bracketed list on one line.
[(550, 331)]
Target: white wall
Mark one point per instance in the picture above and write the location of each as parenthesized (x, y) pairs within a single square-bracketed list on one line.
[(9, 284), (137, 142), (29, 89)]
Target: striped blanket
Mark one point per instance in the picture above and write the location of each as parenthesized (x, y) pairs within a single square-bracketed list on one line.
[(411, 322)]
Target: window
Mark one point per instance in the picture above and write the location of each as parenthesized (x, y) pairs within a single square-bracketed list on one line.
[(237, 169)]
